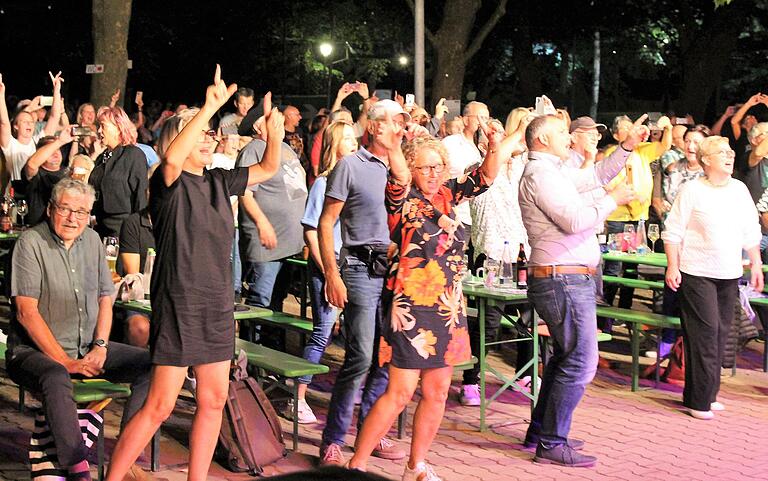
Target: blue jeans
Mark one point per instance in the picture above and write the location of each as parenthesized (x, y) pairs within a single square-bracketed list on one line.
[(323, 318), (237, 266), (567, 304), (362, 328), (260, 278)]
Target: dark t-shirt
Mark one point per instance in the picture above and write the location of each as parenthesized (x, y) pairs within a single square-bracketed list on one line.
[(135, 238), (192, 295), (38, 193)]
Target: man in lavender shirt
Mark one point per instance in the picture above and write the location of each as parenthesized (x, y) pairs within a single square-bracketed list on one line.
[(564, 255)]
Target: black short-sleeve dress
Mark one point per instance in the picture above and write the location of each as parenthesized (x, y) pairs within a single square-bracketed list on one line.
[(192, 296)]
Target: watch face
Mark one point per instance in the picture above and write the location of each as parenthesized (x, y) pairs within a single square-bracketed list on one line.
[(100, 343)]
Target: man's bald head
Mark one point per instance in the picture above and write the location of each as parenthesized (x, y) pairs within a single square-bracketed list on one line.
[(548, 134)]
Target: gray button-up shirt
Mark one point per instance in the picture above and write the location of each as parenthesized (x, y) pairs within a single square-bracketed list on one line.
[(560, 223), (66, 283)]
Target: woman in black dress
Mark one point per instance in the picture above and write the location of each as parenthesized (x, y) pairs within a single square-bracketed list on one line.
[(120, 172), (192, 298)]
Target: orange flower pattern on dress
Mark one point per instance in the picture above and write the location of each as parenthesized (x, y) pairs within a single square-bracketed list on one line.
[(427, 325), (385, 352), (458, 349), (424, 343), (425, 284)]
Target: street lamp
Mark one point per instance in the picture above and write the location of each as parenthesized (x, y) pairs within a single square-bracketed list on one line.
[(403, 60), (326, 49)]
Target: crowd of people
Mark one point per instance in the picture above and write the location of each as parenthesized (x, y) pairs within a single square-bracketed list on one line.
[(390, 206)]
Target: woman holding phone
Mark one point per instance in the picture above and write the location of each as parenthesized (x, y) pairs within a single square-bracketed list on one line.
[(192, 299)]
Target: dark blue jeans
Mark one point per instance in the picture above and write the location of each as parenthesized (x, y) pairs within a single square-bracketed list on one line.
[(567, 304), (50, 381), (323, 318), (362, 328)]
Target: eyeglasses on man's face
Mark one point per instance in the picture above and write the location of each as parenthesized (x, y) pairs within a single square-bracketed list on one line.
[(64, 211)]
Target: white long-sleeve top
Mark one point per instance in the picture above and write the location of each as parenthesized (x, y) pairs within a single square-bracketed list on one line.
[(712, 224)]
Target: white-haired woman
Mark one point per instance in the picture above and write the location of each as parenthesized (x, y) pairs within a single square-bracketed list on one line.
[(712, 220)]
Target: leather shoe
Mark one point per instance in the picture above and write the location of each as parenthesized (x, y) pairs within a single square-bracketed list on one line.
[(531, 442), (563, 455)]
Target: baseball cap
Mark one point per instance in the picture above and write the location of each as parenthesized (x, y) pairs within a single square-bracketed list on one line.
[(586, 123), (379, 110)]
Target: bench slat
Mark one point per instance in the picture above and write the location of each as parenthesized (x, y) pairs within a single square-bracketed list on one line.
[(277, 362), (285, 321), (634, 283), (638, 317)]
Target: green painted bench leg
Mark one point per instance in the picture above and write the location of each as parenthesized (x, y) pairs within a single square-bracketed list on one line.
[(155, 450), (635, 357), (295, 415), (481, 310), (658, 360)]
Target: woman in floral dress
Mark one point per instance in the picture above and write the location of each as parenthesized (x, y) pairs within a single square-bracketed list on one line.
[(427, 334)]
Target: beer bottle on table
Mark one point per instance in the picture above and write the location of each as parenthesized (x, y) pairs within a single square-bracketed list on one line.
[(522, 268)]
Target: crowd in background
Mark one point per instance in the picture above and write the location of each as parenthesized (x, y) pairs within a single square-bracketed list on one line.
[(332, 200)]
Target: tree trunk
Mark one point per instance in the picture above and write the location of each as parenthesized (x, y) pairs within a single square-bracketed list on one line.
[(111, 19), (595, 77), (450, 46), (703, 64)]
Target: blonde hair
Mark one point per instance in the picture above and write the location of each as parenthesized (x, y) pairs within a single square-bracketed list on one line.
[(514, 119), (332, 138), (171, 128), (412, 148), (706, 145)]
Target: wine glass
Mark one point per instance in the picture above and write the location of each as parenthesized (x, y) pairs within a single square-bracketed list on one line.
[(653, 235), (630, 238), (22, 209), (111, 247), (613, 244)]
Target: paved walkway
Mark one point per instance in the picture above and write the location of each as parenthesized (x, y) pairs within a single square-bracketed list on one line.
[(641, 435)]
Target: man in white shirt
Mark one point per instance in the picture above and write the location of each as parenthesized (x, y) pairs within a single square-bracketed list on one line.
[(462, 151)]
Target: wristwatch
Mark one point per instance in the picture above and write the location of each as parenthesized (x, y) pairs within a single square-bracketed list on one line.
[(99, 343)]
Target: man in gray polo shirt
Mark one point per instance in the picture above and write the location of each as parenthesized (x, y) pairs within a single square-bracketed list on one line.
[(61, 288), (355, 194), (270, 230)]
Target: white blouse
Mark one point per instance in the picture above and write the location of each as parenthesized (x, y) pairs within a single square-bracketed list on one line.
[(712, 224)]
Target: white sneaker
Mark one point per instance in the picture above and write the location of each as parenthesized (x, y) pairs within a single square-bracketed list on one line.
[(305, 414), (470, 395), (717, 406), (422, 472), (705, 415), (526, 385)]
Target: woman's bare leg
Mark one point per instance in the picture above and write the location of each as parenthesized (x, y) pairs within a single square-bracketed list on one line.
[(402, 384), (429, 412), (161, 399), (211, 396)]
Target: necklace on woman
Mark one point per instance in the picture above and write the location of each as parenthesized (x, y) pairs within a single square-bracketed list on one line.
[(719, 184)]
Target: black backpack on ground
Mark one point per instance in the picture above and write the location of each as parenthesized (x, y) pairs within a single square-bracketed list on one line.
[(250, 436)]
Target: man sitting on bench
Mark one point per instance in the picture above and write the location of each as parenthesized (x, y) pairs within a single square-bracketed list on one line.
[(61, 288)]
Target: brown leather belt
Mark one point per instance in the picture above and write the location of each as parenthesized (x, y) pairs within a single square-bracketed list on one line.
[(549, 271)]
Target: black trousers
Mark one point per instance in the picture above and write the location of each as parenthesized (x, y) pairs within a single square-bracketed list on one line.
[(707, 311), (52, 384)]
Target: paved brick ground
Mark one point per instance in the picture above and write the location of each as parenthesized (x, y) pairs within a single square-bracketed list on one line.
[(636, 436), (641, 435)]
